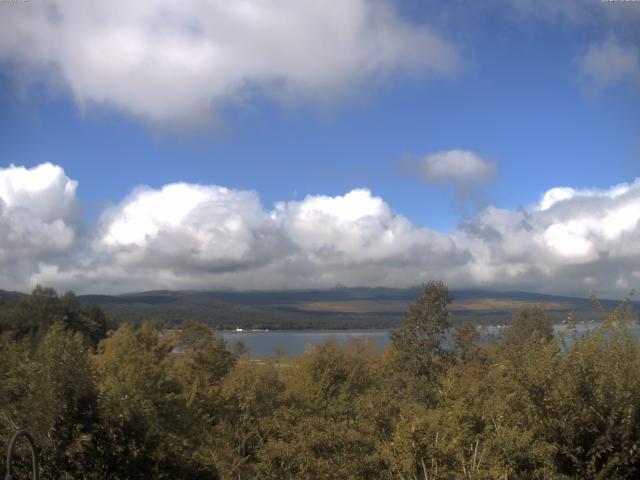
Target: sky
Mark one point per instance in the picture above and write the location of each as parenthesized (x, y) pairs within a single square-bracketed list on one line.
[(279, 144)]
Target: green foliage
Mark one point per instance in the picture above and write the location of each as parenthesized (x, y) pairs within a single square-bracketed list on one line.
[(419, 357), (329, 381), (145, 415), (154, 404), (205, 358), (49, 390), (321, 432), (305, 446), (32, 316), (239, 348), (249, 397), (466, 339), (529, 325)]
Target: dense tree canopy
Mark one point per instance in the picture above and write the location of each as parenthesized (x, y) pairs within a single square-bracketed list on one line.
[(33, 314), (139, 402)]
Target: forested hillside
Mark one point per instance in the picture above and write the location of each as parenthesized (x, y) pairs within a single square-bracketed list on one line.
[(122, 404), (339, 308)]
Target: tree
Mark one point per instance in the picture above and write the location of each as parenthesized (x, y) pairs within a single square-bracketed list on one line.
[(321, 431), (148, 425), (206, 359), (417, 342), (530, 324), (250, 395), (465, 340), (55, 399), (34, 314), (239, 349)]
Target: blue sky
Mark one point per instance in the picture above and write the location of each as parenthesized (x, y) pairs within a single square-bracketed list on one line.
[(547, 96)]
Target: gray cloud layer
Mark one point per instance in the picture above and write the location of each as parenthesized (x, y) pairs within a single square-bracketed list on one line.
[(204, 236)]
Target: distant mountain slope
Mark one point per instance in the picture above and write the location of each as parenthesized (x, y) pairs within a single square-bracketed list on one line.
[(334, 308), (7, 297), (261, 297)]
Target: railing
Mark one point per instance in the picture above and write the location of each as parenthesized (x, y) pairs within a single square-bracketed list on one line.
[(34, 455)]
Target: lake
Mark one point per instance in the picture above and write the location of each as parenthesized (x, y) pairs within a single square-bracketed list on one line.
[(294, 342)]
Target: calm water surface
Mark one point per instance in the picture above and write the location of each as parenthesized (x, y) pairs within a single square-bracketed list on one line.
[(294, 342)]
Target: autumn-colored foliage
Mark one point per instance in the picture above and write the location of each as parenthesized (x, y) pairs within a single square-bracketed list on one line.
[(137, 402)]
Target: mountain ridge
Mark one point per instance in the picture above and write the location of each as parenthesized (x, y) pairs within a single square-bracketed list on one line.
[(338, 308)]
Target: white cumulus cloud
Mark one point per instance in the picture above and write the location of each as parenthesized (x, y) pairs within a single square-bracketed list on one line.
[(611, 63), (172, 61), (37, 207), (182, 227), (189, 236), (465, 170), (456, 166), (357, 229), (197, 236), (37, 218), (571, 241)]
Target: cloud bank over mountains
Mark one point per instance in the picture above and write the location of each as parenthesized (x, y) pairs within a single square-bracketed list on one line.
[(204, 236)]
